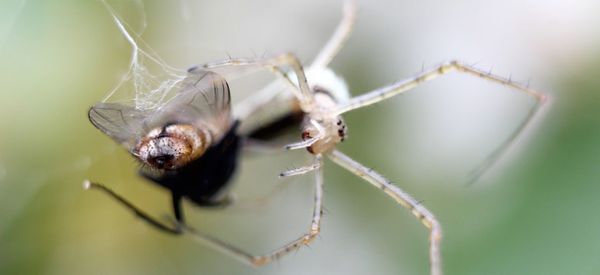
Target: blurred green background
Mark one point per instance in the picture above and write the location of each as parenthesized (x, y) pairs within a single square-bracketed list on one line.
[(535, 213)]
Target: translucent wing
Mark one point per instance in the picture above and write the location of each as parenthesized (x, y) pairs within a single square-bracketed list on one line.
[(204, 100), (122, 123)]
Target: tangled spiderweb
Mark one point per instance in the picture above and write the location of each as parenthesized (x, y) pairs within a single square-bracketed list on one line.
[(149, 82)]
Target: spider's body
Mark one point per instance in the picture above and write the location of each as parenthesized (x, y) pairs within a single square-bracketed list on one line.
[(322, 124)]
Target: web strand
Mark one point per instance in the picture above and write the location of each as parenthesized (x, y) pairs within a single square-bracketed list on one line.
[(150, 79)]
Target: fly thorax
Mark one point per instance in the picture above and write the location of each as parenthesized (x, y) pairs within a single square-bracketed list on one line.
[(173, 146)]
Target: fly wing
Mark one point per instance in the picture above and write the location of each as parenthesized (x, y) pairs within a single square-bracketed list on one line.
[(120, 122), (204, 100)]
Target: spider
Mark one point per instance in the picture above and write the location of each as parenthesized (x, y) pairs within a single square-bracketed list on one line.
[(323, 98)]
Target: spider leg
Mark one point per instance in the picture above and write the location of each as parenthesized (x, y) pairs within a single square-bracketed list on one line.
[(497, 154), (255, 105), (339, 37), (304, 143), (179, 229), (386, 92), (303, 170), (276, 65), (220, 245), (309, 142), (259, 260), (261, 147), (136, 210), (273, 92), (402, 198), (305, 239)]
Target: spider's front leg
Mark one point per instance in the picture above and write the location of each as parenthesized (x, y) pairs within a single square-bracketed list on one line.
[(309, 141)]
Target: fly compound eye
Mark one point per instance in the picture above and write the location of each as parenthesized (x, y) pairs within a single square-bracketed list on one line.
[(172, 147), (172, 152), (162, 162)]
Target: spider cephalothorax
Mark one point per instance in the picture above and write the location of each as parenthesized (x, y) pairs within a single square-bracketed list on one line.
[(327, 130)]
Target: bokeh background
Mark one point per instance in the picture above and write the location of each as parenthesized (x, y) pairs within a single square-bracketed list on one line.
[(535, 213)]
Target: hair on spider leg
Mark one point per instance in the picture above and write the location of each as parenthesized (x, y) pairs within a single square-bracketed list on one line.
[(475, 63)]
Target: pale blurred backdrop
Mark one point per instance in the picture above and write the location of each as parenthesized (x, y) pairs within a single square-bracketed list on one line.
[(535, 213)]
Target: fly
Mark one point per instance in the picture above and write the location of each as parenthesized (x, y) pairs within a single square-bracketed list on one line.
[(188, 146)]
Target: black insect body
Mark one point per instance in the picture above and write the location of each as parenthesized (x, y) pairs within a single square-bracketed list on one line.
[(202, 180)]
